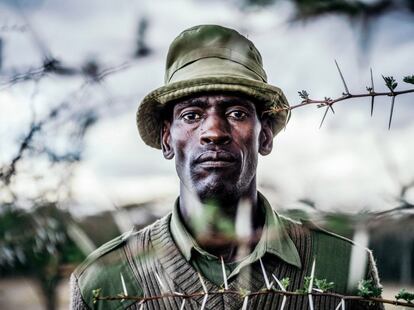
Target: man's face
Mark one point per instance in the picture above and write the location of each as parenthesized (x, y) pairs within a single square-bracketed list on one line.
[(216, 140)]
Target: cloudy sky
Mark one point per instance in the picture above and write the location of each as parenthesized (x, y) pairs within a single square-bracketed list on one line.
[(352, 163)]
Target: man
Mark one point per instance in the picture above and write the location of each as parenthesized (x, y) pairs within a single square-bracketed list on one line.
[(214, 116)]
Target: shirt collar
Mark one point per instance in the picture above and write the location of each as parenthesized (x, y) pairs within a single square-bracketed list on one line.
[(274, 238)]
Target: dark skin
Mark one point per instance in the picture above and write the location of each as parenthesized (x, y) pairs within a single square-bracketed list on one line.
[(215, 140)]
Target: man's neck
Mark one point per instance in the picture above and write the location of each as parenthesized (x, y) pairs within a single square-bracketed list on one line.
[(225, 228)]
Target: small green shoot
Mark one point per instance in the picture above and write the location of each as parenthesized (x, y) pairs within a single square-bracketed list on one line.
[(405, 295), (367, 289)]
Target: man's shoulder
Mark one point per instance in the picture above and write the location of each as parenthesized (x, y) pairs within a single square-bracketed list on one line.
[(332, 243), (326, 234), (337, 258), (316, 230), (100, 254), (109, 269), (105, 255), (105, 270)]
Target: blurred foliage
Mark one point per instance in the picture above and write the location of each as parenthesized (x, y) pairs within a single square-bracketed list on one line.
[(36, 243), (92, 227), (212, 215), (308, 9), (296, 214), (142, 48), (362, 15), (409, 79), (404, 295), (341, 224)]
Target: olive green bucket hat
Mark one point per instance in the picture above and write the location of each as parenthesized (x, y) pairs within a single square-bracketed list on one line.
[(209, 58)]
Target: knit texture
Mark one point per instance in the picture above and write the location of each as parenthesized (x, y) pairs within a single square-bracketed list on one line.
[(152, 252)]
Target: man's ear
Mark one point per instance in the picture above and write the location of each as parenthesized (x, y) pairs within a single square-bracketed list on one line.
[(166, 146), (266, 137)]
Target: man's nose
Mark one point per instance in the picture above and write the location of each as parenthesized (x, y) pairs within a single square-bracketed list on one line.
[(215, 130)]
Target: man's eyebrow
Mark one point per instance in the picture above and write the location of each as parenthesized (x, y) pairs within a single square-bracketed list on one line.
[(192, 102), (226, 102), (238, 101)]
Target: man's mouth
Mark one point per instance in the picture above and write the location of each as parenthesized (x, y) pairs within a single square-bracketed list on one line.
[(213, 159)]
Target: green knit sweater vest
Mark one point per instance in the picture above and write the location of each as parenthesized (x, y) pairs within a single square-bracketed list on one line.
[(143, 256)]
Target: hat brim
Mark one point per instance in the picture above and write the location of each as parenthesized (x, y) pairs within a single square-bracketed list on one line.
[(149, 114)]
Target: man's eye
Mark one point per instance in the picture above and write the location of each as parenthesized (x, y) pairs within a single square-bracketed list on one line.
[(191, 116), (238, 115)]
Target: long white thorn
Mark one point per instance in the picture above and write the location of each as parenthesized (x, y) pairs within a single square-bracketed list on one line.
[(342, 78), (282, 306), (339, 305), (268, 286), (245, 302), (123, 286), (182, 305), (203, 305), (163, 287), (312, 276), (279, 283), (311, 307), (202, 283), (372, 90), (142, 306), (178, 293), (223, 268)]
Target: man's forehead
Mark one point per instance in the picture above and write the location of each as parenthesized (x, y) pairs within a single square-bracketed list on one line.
[(204, 100)]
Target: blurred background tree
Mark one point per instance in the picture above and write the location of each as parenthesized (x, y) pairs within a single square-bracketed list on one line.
[(352, 9), (37, 244)]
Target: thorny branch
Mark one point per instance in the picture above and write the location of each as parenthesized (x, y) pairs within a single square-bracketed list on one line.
[(93, 76), (89, 70), (13, 28), (328, 102), (367, 291), (252, 294), (8, 171), (92, 73)]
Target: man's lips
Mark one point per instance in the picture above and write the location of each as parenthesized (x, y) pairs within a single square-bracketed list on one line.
[(213, 159)]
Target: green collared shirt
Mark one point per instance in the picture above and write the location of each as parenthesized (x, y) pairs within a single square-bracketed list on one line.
[(274, 240)]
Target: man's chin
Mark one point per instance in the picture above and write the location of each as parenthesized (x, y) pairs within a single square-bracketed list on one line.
[(216, 191)]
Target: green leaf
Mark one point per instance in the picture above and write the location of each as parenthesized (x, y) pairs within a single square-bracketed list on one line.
[(305, 288), (303, 94), (390, 82), (285, 282), (409, 79), (367, 289), (324, 285), (96, 293), (404, 295)]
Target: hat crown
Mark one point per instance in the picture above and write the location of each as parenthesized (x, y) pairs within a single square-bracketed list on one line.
[(213, 41)]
